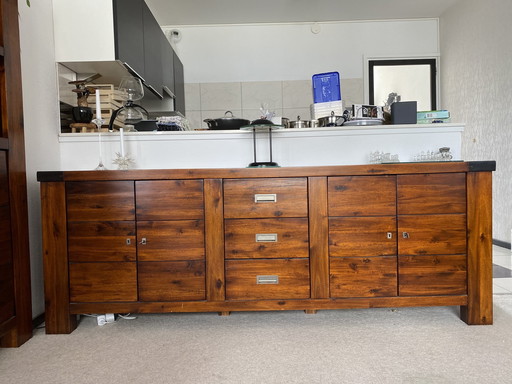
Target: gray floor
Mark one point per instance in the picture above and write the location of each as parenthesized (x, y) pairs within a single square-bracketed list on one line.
[(502, 271)]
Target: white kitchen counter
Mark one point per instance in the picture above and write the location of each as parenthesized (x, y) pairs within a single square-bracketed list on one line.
[(234, 149)]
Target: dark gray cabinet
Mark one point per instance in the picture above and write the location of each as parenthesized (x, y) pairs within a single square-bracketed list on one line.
[(145, 51), (179, 85)]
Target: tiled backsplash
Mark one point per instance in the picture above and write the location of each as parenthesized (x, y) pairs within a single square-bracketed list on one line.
[(286, 98)]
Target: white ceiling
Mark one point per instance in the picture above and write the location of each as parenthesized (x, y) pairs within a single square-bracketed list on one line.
[(200, 12)]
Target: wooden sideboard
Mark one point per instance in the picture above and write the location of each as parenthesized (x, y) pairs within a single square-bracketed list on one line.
[(298, 238)]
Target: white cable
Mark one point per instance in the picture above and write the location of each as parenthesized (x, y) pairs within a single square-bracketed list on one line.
[(127, 316)]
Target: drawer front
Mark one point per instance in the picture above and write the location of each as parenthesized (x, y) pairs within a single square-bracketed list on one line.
[(431, 234), (101, 241), (102, 282), (266, 238), (362, 195), (362, 236), (363, 276), (172, 281), (432, 193), (432, 275), (267, 279), (170, 200), (260, 198), (170, 240), (100, 200)]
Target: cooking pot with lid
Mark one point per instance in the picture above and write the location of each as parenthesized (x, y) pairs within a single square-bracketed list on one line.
[(331, 121), (226, 122), (300, 123)]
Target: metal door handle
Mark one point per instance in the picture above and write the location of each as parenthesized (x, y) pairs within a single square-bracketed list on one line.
[(405, 235), (266, 237), (143, 241), (389, 235), (265, 198)]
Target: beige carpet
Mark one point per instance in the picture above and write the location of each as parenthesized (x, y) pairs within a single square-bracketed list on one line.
[(407, 345)]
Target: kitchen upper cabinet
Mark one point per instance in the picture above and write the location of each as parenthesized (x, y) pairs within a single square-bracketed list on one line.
[(125, 38), (179, 84)]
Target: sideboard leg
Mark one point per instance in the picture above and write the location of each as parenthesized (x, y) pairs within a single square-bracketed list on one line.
[(479, 310)]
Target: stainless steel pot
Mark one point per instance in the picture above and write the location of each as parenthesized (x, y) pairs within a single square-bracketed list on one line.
[(300, 123), (226, 122), (331, 121)]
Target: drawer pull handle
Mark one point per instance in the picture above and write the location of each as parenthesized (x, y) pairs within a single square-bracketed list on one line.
[(267, 279), (390, 235), (265, 198), (405, 235), (143, 241), (128, 241), (266, 237)]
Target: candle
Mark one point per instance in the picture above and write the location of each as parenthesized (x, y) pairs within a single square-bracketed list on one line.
[(98, 105), (121, 137)]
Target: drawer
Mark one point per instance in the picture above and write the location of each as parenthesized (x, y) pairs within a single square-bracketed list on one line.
[(261, 198), (100, 200), (267, 279), (170, 240), (363, 276), (432, 275), (172, 281), (432, 193), (266, 238), (362, 236), (431, 234), (169, 199), (101, 241), (362, 195), (102, 282)]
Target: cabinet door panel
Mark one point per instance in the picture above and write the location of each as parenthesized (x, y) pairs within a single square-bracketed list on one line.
[(362, 236), (260, 198), (362, 195), (432, 275), (266, 238), (100, 200), (363, 276), (6, 267), (102, 282), (101, 241), (170, 240), (432, 234), (248, 279), (4, 182), (432, 193), (172, 281), (170, 200)]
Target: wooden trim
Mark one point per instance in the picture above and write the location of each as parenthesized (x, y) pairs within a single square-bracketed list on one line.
[(4, 144), (479, 221), (318, 238), (268, 305), (227, 173), (55, 261), (214, 228)]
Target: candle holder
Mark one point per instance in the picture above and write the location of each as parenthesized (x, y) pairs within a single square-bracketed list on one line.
[(123, 162), (100, 167)]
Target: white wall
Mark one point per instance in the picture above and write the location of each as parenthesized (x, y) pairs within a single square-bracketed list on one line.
[(276, 52), (41, 121), (476, 82)]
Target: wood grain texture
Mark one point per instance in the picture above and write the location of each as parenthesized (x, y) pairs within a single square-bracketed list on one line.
[(170, 200), (241, 275), (214, 238), (432, 275), (432, 234), (428, 193), (55, 259), (291, 198), (479, 309), (7, 299), (102, 282), (101, 241), (318, 237), (291, 233), (171, 240), (100, 201), (363, 276), (172, 281), (11, 102), (362, 196), (362, 236)]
